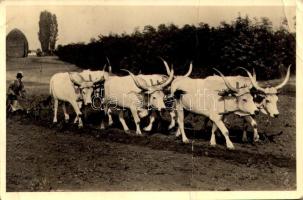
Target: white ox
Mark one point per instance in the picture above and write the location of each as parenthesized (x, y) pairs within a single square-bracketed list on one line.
[(152, 80), (73, 88), (135, 94), (202, 97), (158, 78), (267, 104)]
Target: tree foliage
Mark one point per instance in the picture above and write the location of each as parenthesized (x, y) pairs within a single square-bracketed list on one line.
[(48, 31), (241, 43)]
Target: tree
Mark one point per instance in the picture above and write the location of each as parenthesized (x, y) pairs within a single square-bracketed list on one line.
[(48, 31), (54, 33)]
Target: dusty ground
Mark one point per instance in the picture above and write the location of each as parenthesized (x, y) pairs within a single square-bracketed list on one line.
[(46, 157)]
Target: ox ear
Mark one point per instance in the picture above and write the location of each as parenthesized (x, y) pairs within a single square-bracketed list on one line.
[(226, 93)]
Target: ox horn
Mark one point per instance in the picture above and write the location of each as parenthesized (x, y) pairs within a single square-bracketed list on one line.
[(253, 80), (103, 70), (254, 74), (226, 82), (166, 66), (141, 86), (108, 61), (168, 81), (189, 70), (285, 80)]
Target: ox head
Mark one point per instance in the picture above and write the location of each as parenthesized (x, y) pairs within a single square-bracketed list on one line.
[(86, 88), (270, 94), (154, 93), (244, 99), (94, 76)]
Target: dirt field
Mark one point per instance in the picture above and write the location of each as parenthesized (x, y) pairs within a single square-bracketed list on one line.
[(46, 157)]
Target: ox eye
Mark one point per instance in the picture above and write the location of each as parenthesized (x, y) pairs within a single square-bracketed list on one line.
[(154, 97), (245, 100), (267, 101)]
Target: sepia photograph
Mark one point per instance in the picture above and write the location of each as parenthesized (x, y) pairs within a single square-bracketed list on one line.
[(130, 97)]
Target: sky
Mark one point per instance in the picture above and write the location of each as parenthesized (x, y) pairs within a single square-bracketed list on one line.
[(81, 23)]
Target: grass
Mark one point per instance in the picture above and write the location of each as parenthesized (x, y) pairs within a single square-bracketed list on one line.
[(37, 72)]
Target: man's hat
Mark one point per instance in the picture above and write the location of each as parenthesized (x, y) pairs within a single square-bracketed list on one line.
[(19, 75)]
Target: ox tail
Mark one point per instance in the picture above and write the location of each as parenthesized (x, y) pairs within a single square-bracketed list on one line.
[(50, 86), (178, 94)]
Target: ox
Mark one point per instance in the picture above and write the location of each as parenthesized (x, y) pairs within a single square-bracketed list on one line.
[(202, 97), (134, 93), (152, 80), (73, 88), (157, 78), (265, 98)]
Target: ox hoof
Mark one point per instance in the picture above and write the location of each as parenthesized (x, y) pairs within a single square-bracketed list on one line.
[(127, 132), (102, 127), (147, 128), (138, 133), (80, 126), (171, 126), (244, 140), (186, 141), (213, 144), (256, 139), (230, 147), (110, 123)]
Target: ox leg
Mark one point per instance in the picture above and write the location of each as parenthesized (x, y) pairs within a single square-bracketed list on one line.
[(224, 131), (121, 119), (110, 119), (106, 113), (213, 135), (76, 119), (253, 123), (180, 121), (102, 126), (134, 112), (56, 102), (151, 121), (244, 135), (172, 120), (78, 113), (79, 106), (66, 115), (178, 132)]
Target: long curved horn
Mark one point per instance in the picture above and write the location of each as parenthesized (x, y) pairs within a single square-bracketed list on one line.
[(143, 87), (166, 66), (104, 67), (253, 80), (226, 82), (108, 61), (285, 80), (168, 81), (189, 70), (254, 74), (103, 71)]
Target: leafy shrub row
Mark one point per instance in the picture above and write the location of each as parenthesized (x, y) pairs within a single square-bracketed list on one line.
[(241, 43)]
